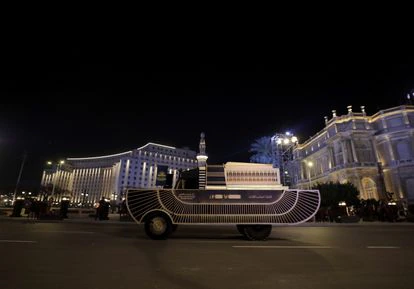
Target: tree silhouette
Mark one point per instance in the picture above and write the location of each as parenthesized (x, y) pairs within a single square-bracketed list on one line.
[(333, 193), (262, 149)]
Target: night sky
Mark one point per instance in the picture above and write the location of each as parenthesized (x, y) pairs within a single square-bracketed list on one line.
[(68, 100)]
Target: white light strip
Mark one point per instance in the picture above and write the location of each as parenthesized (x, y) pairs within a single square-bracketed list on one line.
[(391, 111), (16, 241), (66, 232), (100, 157), (151, 143), (382, 247), (283, 247)]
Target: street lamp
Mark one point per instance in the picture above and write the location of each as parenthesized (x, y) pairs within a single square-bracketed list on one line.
[(282, 145), (58, 165), (20, 175), (343, 207), (310, 165), (84, 197)]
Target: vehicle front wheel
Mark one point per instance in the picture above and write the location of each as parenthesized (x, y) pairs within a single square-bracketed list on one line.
[(257, 232), (174, 228), (158, 227)]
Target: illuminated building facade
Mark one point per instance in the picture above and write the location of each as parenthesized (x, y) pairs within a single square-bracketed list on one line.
[(375, 153), (87, 180)]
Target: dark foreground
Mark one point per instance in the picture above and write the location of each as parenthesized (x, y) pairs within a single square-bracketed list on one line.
[(103, 255)]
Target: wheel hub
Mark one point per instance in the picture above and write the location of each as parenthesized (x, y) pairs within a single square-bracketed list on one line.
[(158, 225)]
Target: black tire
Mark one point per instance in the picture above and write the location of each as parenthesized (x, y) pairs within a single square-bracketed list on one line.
[(158, 226), (257, 232), (240, 228), (174, 228)]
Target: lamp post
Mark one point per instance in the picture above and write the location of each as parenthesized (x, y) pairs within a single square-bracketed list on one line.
[(20, 175), (282, 145), (343, 207), (310, 165), (84, 197), (58, 165)]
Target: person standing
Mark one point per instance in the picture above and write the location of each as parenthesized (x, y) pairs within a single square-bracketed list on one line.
[(102, 209), (96, 205)]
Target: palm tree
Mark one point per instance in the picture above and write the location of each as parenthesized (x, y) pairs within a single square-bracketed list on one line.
[(262, 149)]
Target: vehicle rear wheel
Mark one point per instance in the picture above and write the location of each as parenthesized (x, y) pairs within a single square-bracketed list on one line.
[(158, 227), (257, 232)]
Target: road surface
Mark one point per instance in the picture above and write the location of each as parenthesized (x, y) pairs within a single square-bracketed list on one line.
[(108, 255)]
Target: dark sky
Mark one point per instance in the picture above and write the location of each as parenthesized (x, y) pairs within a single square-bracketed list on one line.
[(78, 100)]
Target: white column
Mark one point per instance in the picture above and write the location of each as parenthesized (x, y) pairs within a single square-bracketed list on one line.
[(344, 152), (155, 174), (354, 154), (144, 166), (331, 160), (390, 149), (150, 177), (302, 170), (374, 150), (174, 177), (383, 121), (406, 120)]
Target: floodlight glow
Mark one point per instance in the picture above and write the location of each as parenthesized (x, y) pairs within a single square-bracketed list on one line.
[(279, 141), (288, 133), (62, 162), (294, 139), (310, 164), (286, 141), (49, 163)]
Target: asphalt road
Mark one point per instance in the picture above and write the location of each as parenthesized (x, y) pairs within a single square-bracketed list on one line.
[(103, 255)]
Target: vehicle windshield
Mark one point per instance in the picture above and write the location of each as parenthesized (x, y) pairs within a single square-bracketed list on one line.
[(188, 179)]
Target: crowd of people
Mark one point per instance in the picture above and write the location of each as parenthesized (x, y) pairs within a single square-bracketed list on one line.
[(368, 210), (103, 207), (36, 209), (102, 210)]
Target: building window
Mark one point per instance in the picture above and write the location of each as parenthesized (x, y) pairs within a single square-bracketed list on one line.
[(369, 189), (403, 150)]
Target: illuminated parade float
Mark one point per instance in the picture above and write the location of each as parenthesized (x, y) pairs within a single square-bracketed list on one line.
[(244, 194)]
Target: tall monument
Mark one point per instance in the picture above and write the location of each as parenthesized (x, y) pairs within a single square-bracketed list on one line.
[(202, 162)]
